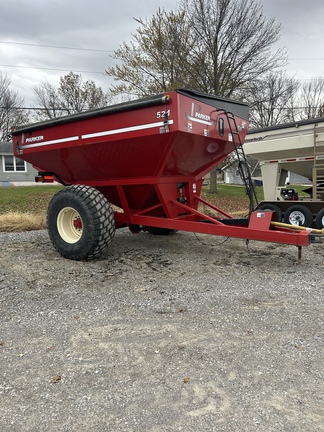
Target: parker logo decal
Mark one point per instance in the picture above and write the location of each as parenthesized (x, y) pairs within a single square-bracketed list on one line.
[(34, 139), (197, 116)]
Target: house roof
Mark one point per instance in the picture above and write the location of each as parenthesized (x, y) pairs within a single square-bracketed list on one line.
[(6, 148)]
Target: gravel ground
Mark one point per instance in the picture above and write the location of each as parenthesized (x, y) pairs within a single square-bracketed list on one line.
[(180, 333)]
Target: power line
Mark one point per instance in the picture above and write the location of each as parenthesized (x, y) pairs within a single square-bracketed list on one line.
[(111, 51), (35, 108), (56, 46), (305, 58), (51, 69)]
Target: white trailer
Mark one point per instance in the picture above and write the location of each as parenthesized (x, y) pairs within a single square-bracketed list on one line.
[(297, 147)]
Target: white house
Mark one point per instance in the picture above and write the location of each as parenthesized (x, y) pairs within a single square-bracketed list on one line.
[(12, 169)]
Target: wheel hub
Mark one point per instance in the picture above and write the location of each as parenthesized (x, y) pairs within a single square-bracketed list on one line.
[(297, 218), (77, 223), (69, 225)]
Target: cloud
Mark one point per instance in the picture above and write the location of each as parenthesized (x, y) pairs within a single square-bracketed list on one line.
[(301, 34), (95, 24)]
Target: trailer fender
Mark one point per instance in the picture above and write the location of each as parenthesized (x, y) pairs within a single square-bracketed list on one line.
[(298, 215), (80, 222)]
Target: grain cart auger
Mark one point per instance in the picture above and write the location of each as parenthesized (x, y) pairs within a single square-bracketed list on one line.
[(141, 165)]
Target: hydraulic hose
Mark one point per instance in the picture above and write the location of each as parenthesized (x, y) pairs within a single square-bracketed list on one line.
[(284, 225)]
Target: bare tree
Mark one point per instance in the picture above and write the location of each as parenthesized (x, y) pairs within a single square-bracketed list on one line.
[(48, 98), (77, 95), (310, 102), (73, 95), (156, 60), (234, 41), (215, 46), (271, 99), (321, 110), (11, 112)]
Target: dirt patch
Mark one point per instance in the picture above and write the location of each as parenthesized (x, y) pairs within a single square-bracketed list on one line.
[(180, 333)]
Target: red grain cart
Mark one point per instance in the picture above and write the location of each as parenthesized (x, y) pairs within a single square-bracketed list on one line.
[(147, 158)]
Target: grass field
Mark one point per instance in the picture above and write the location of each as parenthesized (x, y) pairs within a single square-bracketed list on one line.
[(26, 199), (23, 208)]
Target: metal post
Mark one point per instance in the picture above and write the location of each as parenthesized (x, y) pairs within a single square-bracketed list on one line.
[(299, 255)]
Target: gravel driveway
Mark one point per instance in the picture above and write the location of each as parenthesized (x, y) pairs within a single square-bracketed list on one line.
[(180, 333)]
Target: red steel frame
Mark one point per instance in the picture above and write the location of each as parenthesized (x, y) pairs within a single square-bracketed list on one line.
[(189, 219), (148, 158)]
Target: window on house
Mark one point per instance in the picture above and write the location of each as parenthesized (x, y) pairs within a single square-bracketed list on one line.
[(20, 164), (13, 164)]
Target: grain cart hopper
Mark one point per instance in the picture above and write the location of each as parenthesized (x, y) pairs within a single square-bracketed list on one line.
[(140, 165)]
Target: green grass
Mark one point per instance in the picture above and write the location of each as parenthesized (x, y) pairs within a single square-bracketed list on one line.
[(232, 191), (26, 199), (238, 192)]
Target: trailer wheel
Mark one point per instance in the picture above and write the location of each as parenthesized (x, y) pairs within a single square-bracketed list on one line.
[(80, 222), (160, 231), (299, 215), (320, 219), (273, 208)]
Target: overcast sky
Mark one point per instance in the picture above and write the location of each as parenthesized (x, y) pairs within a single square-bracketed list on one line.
[(98, 27)]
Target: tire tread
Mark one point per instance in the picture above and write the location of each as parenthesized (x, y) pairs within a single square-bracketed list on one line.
[(101, 216)]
